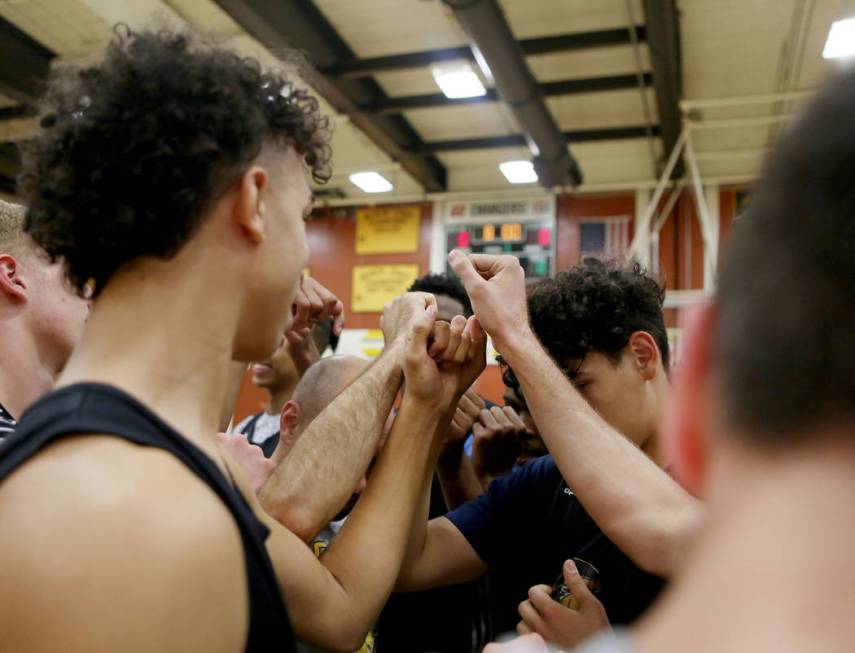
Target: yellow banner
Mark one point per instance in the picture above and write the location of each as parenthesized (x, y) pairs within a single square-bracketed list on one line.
[(388, 230), (374, 285)]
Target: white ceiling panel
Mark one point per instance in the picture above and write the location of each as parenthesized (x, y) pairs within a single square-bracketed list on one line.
[(739, 166), (531, 18), (730, 138), (599, 62), (68, 27), (374, 28), (732, 47), (614, 161), (813, 69), (484, 177), (604, 109), (470, 121), (416, 81), (484, 157), (206, 17)]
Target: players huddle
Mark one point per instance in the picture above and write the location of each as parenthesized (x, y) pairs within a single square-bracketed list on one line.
[(166, 195)]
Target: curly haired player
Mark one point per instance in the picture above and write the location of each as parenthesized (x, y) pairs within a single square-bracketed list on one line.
[(169, 177)]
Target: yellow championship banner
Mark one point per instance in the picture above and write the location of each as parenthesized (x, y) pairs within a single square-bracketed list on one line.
[(388, 230), (374, 285)]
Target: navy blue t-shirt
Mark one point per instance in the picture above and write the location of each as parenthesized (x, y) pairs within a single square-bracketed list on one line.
[(527, 524)]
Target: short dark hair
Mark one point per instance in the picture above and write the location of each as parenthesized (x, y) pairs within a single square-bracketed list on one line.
[(443, 284), (597, 306), (785, 333), (135, 148), (323, 335)]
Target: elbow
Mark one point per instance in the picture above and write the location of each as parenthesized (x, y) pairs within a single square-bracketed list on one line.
[(345, 635), (296, 518), (665, 550), (654, 561)]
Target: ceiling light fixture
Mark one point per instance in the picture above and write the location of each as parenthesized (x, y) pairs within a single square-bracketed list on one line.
[(371, 182), (841, 39), (518, 172), (458, 81)]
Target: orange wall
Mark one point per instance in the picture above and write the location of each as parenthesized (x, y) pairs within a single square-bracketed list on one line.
[(572, 208), (332, 246), (332, 235)]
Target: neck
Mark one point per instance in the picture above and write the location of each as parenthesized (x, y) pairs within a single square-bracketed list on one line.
[(24, 374), (652, 444), (157, 334), (278, 397), (772, 570)]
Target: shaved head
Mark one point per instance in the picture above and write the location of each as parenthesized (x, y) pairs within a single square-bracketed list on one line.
[(323, 382)]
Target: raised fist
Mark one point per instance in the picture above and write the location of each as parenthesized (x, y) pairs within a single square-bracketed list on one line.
[(402, 313), (496, 287)]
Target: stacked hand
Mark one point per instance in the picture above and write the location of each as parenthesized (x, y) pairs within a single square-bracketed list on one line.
[(559, 625), (496, 287), (312, 304), (496, 444), (465, 415), (250, 458), (302, 349), (402, 313), (441, 360)]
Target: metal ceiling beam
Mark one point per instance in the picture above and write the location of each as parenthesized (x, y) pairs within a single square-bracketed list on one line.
[(663, 40), (517, 140), (298, 24), (564, 87), (530, 47), (502, 61), (24, 63)]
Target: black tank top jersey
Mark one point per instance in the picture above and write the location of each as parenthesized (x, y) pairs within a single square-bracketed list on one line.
[(89, 408)]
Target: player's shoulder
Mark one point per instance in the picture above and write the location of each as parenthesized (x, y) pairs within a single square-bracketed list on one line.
[(105, 498), (115, 528)]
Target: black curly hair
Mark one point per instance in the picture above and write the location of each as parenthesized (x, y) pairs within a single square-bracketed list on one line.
[(443, 284), (597, 306), (135, 148)]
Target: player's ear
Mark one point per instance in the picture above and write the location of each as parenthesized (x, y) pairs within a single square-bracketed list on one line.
[(12, 282), (645, 354), (292, 413)]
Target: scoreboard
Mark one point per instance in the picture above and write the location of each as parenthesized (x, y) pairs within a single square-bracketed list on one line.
[(524, 228)]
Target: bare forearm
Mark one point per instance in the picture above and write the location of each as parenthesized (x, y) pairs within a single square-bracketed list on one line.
[(457, 479), (636, 504), (318, 476), (384, 517)]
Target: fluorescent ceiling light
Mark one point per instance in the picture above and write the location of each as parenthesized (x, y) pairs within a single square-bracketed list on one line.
[(518, 172), (458, 81), (841, 39), (371, 182)]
